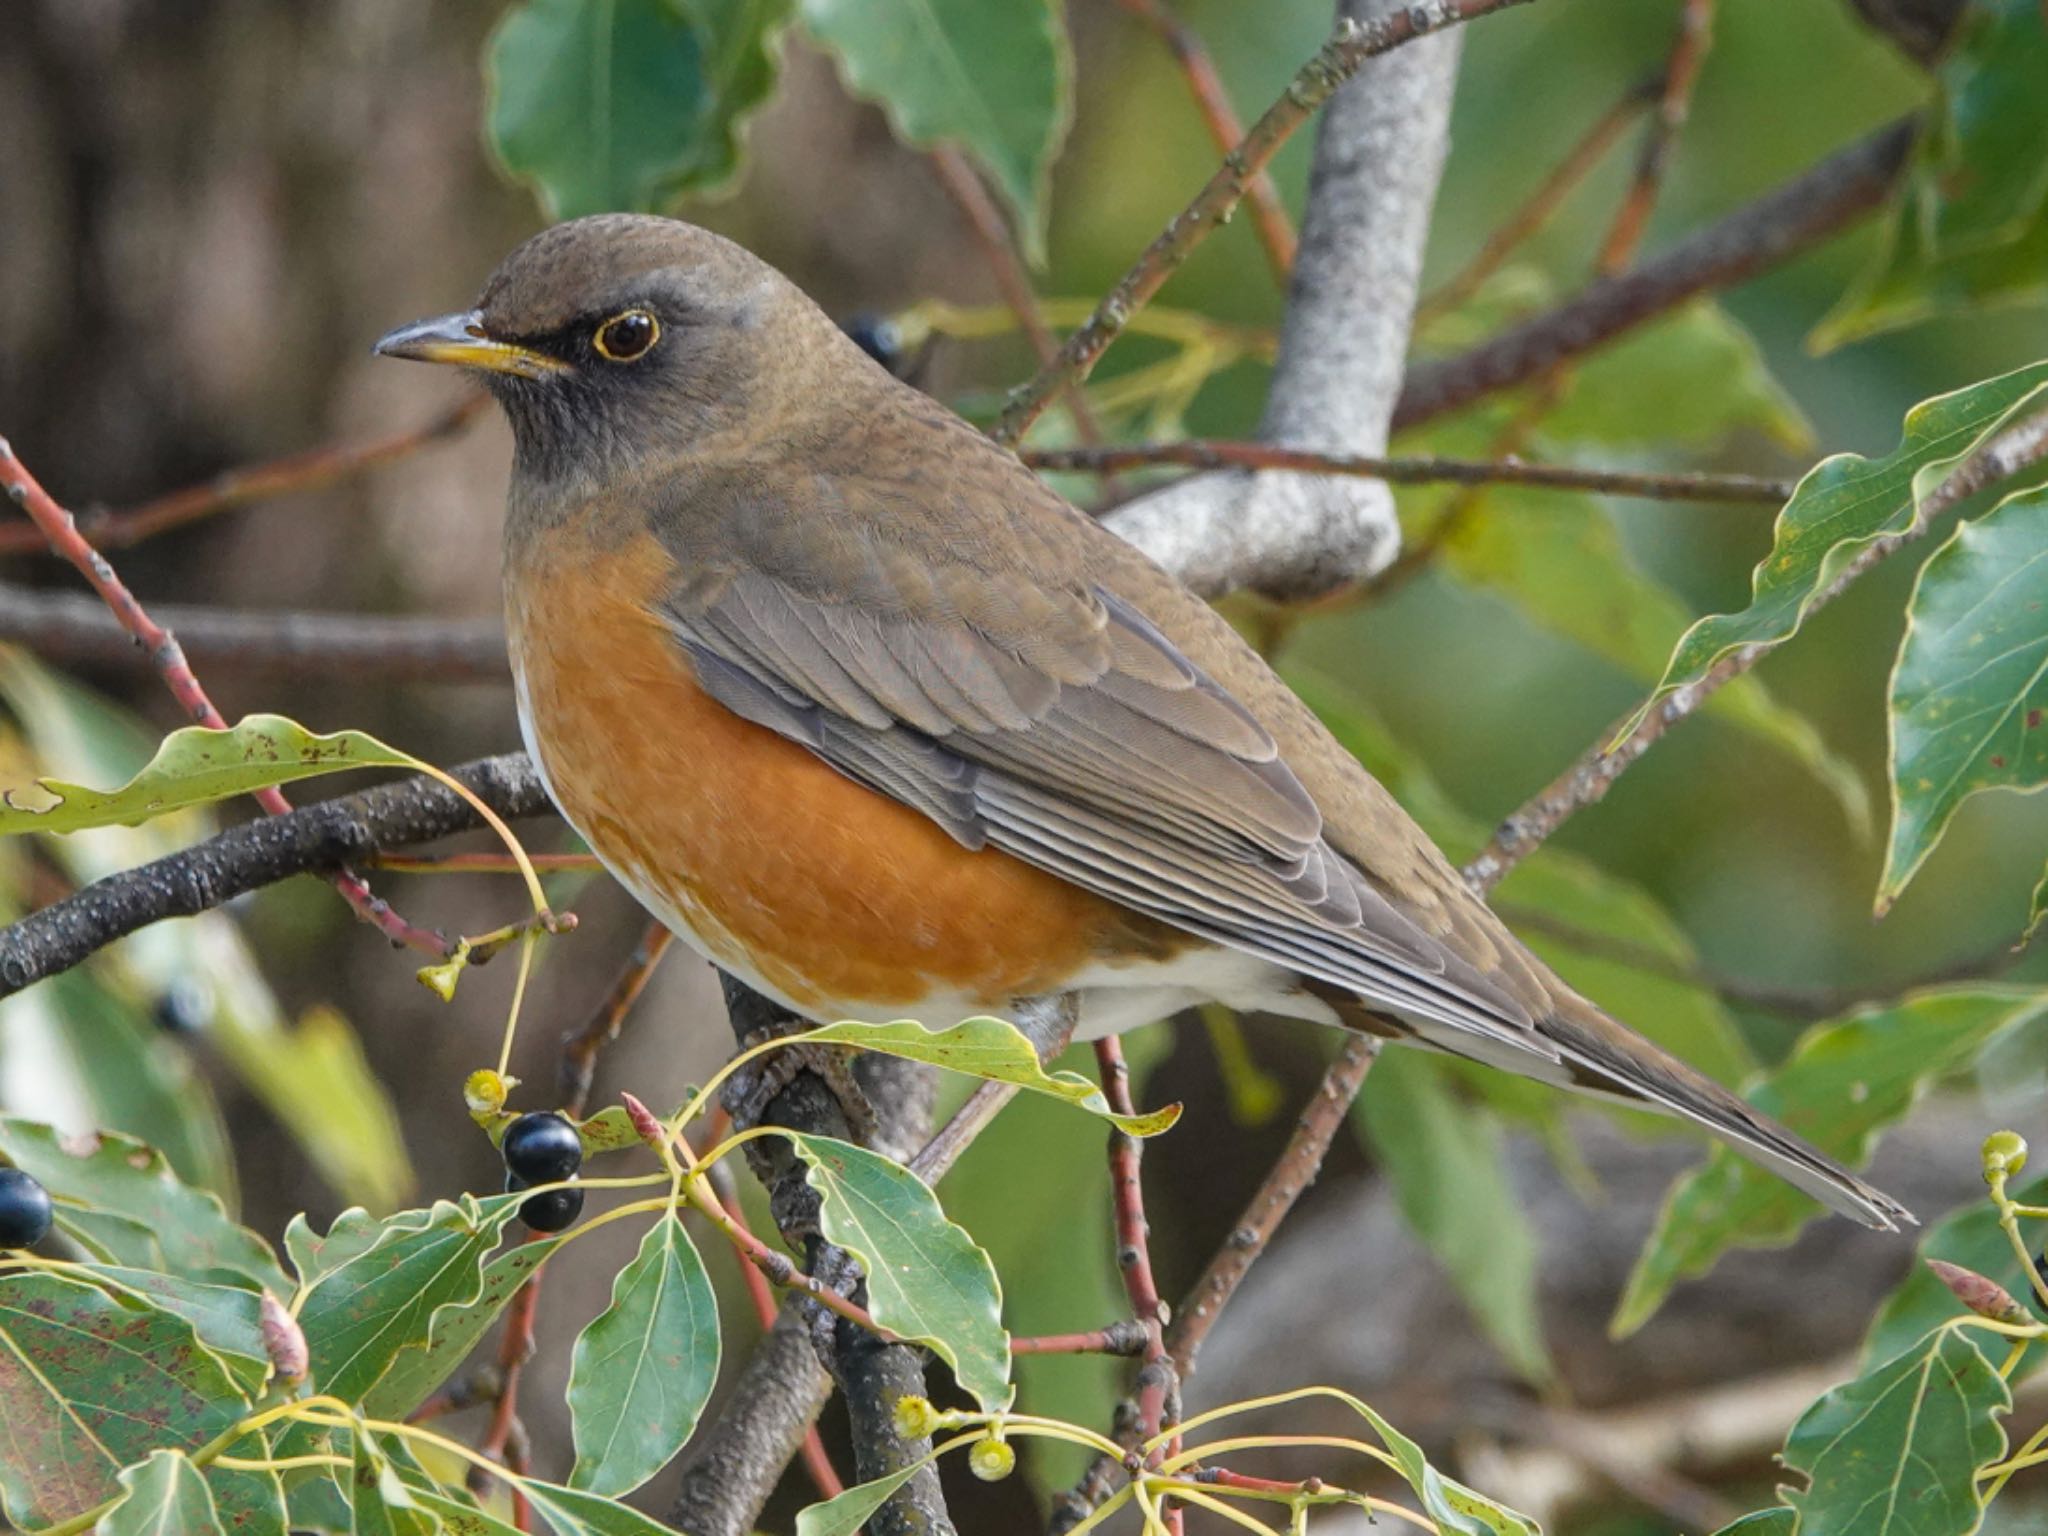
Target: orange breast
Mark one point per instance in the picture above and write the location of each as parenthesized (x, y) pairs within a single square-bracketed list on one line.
[(834, 894)]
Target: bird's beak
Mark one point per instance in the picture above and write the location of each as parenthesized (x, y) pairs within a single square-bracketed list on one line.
[(463, 341)]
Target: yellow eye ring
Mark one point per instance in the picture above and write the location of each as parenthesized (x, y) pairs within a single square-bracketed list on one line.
[(628, 335)]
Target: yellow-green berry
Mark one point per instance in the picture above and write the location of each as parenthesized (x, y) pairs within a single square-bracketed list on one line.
[(916, 1418), (2005, 1154), (991, 1460)]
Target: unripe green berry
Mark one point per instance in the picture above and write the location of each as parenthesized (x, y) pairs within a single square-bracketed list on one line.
[(2005, 1154), (991, 1460)]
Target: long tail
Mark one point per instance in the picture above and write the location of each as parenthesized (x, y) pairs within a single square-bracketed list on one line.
[(1603, 1057)]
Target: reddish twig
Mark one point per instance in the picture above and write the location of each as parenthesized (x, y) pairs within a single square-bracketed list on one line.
[(1674, 103), (1205, 453), (1526, 221), (817, 1462), (515, 1348), (1589, 779), (65, 626), (310, 471), (1296, 1169), (60, 529), (1124, 1337), (992, 235), (1338, 60), (1269, 216), (1157, 1386), (578, 1064)]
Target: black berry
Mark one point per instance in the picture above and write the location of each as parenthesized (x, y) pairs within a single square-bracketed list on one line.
[(24, 1210), (549, 1211), (184, 1007), (542, 1149), (878, 336)]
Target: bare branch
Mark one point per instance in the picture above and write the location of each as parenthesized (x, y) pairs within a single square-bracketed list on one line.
[(1379, 152), (1209, 453), (62, 626), (1226, 129), (1674, 104), (1802, 213), (1337, 61), (1589, 779), (314, 839)]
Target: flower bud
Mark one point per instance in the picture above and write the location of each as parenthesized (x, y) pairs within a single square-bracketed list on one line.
[(1981, 1294), (651, 1130), (916, 1418), (2005, 1154), (991, 1459), (283, 1340), (484, 1091)]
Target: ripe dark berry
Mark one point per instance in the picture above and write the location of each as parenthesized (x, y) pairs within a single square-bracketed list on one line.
[(549, 1211), (878, 336), (542, 1149), (24, 1210), (184, 1007)]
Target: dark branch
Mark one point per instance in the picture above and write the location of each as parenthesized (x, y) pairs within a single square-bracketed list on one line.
[(1803, 212), (315, 839)]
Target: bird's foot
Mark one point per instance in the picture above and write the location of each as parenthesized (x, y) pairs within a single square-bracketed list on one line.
[(755, 1086)]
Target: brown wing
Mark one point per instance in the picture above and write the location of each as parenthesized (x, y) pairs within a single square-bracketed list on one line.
[(1055, 721)]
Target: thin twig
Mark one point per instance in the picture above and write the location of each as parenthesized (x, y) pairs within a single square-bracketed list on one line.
[(1124, 1337), (1529, 219), (60, 529), (1811, 208), (1589, 778), (1207, 453), (1348, 47), (310, 471), (64, 626), (1158, 1388), (992, 235), (1226, 129), (1674, 104), (578, 1064)]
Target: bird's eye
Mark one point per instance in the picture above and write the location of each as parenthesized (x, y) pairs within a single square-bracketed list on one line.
[(627, 335)]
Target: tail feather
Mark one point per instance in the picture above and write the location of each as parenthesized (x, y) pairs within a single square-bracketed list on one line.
[(1615, 1062), (1597, 1055)]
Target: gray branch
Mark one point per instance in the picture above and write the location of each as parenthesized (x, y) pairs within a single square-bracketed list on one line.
[(1379, 153)]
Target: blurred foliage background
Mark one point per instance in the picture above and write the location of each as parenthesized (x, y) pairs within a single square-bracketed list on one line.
[(215, 205)]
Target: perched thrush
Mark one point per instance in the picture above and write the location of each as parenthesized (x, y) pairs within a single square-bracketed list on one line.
[(881, 725)]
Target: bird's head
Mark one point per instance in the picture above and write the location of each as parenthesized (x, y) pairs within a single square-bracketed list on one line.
[(621, 340)]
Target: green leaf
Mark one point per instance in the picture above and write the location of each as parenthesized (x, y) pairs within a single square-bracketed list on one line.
[(1456, 1509), (164, 1496), (644, 1368), (1842, 505), (927, 1279), (1447, 1161), (845, 1514), (227, 1318), (1969, 223), (604, 105), (1690, 379), (1896, 1452), (383, 1299), (120, 1200), (992, 1049), (1971, 1237), (1777, 1521), (316, 1255), (1844, 1083), (379, 1500), (573, 1512), (993, 76), (193, 767), (1969, 693), (90, 1383), (417, 1373)]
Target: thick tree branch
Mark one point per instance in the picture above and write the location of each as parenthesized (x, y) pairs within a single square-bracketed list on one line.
[(1338, 60), (1379, 153), (1810, 208), (315, 839)]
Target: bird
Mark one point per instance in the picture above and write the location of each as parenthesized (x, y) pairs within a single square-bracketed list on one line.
[(883, 726)]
